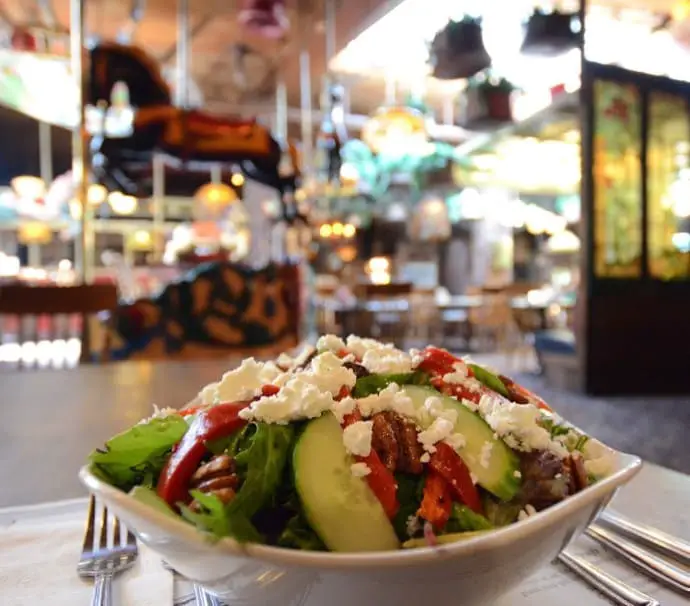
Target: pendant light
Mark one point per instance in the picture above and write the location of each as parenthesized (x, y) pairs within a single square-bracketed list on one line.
[(551, 33)]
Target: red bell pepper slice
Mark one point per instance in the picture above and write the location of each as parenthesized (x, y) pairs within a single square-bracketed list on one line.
[(190, 410), (448, 464), (436, 502), (380, 480), (437, 361), (211, 423)]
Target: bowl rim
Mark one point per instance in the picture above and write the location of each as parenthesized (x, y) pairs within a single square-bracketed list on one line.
[(628, 467)]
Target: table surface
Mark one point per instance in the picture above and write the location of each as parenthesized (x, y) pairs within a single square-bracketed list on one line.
[(51, 420)]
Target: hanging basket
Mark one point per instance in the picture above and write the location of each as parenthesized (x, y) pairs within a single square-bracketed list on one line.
[(457, 51), (550, 34)]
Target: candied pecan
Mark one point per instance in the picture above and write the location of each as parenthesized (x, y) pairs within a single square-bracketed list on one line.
[(514, 394), (579, 472), (546, 479), (219, 466), (217, 477), (384, 440), (395, 441)]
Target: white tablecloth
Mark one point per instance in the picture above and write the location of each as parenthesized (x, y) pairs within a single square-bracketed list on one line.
[(40, 545)]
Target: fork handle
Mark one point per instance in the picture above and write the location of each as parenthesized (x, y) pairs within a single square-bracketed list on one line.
[(103, 591)]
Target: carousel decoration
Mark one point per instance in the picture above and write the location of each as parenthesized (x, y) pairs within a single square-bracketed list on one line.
[(266, 18), (159, 126), (457, 51), (332, 134), (551, 33)]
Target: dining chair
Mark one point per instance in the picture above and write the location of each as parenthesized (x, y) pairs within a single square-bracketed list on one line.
[(385, 311), (51, 315)]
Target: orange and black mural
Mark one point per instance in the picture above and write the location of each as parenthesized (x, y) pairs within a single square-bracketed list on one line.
[(215, 307)]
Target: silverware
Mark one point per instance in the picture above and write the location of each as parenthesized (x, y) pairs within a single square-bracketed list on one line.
[(103, 558), (201, 596), (672, 547), (619, 592), (649, 563)]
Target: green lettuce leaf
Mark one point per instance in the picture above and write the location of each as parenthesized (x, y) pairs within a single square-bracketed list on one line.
[(463, 519), (137, 456), (500, 513), (489, 379), (215, 517), (410, 494), (372, 384), (297, 534)]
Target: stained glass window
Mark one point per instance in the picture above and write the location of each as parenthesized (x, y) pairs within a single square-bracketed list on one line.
[(617, 180), (668, 187)]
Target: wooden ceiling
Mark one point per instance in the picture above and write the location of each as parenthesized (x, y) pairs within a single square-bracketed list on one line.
[(216, 32)]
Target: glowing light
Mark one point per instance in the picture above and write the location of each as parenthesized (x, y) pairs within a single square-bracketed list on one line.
[(34, 233), (349, 230), (397, 131), (75, 209), (563, 242), (96, 194), (215, 196), (325, 231), (31, 188), (338, 229), (122, 204), (681, 240), (141, 240), (349, 175), (237, 179)]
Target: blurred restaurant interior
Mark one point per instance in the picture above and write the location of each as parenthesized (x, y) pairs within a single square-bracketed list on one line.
[(201, 182)]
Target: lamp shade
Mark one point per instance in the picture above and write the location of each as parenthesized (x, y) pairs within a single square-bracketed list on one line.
[(122, 204), (215, 197)]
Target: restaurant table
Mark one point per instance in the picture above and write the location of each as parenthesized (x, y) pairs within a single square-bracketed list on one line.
[(52, 419)]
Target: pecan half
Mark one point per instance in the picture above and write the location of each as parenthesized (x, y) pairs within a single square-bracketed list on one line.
[(359, 370), (395, 441), (216, 477), (384, 441)]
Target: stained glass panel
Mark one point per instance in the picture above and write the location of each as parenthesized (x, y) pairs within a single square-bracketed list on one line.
[(668, 187), (617, 180)]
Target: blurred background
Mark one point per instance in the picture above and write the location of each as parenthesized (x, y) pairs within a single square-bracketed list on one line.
[(211, 178)]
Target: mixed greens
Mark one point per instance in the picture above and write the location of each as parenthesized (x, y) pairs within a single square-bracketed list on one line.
[(330, 455)]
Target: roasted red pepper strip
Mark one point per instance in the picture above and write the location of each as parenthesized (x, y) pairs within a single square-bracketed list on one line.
[(524, 394), (190, 410), (437, 501), (211, 423), (380, 480), (437, 361), (448, 464)]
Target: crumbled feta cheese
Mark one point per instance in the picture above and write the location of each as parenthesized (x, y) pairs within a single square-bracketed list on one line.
[(517, 425), (360, 470), (359, 346), (389, 398), (474, 478), (330, 343), (517, 474), (285, 361), (208, 394), (473, 406), (298, 399), (357, 438), (343, 407), (439, 430), (599, 460), (459, 374), (425, 458), (328, 373), (456, 440), (434, 406), (244, 382), (387, 360), (159, 413), (416, 357), (412, 526), (485, 455), (527, 512)]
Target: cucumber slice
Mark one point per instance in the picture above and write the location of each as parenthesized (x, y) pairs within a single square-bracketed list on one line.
[(498, 474), (339, 506), (489, 379)]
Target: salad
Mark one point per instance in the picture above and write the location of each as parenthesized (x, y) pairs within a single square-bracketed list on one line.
[(354, 446)]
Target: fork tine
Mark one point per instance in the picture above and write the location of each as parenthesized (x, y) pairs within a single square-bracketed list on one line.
[(103, 541), (117, 535), (90, 524), (131, 539)]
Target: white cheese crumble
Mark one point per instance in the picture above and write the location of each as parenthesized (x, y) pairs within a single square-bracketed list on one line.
[(425, 458), (208, 394), (159, 413), (517, 474), (360, 470), (517, 425), (456, 441), (243, 382), (389, 398), (387, 360), (357, 438), (527, 512), (438, 431), (485, 454), (412, 526), (599, 460), (359, 346), (459, 374), (330, 343)]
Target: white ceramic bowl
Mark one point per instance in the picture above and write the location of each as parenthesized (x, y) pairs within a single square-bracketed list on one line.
[(474, 571)]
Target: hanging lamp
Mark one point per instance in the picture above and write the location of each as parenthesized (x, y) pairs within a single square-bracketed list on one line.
[(458, 51), (551, 33)]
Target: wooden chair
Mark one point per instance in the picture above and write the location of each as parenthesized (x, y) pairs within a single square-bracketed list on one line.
[(388, 321), (35, 314)]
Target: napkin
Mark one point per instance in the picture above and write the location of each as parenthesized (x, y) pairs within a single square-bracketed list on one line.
[(39, 550)]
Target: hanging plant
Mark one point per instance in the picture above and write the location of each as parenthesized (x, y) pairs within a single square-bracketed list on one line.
[(551, 33), (457, 51), (487, 98)]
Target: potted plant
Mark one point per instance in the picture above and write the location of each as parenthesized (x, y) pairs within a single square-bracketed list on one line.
[(487, 98)]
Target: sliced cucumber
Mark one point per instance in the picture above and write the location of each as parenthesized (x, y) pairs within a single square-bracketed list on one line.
[(339, 506), (489, 379), (444, 539), (496, 472)]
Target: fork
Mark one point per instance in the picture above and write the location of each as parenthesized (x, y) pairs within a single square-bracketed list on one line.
[(102, 559), (201, 596)]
